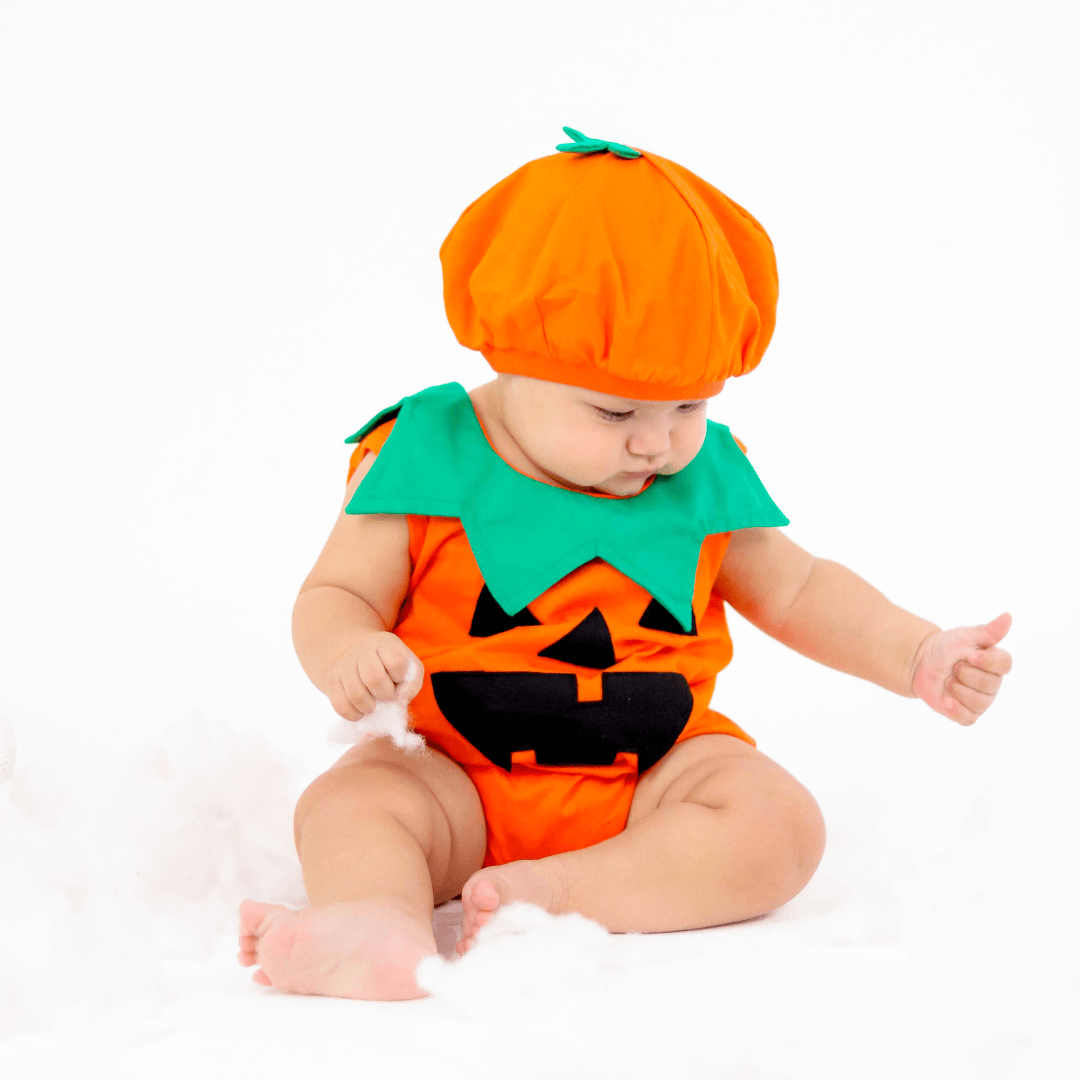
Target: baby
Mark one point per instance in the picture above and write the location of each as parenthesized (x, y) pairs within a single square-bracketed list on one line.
[(540, 567)]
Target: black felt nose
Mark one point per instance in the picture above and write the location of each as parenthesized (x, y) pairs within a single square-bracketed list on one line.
[(587, 645)]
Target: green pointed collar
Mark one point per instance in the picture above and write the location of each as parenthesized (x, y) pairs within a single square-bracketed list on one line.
[(526, 535)]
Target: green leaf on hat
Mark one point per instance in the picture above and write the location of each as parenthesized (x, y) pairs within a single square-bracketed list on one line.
[(582, 144)]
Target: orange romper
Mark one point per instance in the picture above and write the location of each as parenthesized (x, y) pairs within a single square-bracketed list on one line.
[(567, 663)]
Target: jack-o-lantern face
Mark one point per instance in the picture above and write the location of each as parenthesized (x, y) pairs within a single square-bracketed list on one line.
[(500, 712)]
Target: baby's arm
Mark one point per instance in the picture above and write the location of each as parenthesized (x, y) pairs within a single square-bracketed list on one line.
[(829, 614), (346, 605)]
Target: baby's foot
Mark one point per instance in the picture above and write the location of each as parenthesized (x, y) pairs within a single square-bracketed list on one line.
[(364, 949), (531, 881)]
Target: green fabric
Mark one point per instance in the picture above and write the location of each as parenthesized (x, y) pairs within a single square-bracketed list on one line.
[(379, 417), (582, 144), (526, 535)]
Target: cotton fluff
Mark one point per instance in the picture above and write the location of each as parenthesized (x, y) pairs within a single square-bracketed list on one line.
[(388, 718), (118, 859), (7, 750), (519, 955)]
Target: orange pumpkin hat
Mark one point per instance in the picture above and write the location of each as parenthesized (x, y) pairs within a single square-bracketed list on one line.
[(611, 268)]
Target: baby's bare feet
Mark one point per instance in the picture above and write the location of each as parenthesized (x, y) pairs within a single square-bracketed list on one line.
[(365, 949), (530, 881)]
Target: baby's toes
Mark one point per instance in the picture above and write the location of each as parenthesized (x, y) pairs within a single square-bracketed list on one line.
[(252, 914), (253, 920), (478, 920), (479, 900)]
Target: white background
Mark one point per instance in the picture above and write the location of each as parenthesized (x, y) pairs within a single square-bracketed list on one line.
[(219, 233)]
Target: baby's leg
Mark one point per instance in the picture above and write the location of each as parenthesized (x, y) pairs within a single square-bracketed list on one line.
[(382, 836), (717, 833)]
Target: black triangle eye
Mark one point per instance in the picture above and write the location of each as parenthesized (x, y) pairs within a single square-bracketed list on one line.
[(489, 618), (657, 617), (587, 645)]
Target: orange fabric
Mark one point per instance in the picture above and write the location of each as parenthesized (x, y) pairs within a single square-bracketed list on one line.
[(538, 810), (634, 277), (373, 441)]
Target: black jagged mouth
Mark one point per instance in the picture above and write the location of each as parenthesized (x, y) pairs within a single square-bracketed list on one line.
[(502, 712)]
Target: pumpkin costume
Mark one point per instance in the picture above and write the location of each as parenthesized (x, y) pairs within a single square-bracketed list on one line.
[(570, 639), (553, 688), (631, 277)]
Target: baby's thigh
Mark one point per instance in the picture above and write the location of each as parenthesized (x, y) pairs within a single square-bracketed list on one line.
[(724, 772), (424, 791)]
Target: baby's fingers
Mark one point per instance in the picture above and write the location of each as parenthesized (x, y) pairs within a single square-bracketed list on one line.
[(376, 678), (414, 677), (973, 702), (403, 666), (983, 681), (349, 696), (996, 661), (955, 711)]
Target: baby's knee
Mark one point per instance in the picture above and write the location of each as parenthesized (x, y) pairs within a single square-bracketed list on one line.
[(789, 835), (807, 825), (364, 789), (797, 828)]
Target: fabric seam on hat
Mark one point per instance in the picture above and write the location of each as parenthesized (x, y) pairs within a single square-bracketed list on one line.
[(677, 183), (536, 268)]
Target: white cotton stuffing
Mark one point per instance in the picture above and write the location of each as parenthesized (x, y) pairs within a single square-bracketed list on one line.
[(116, 859), (122, 865), (388, 718), (519, 951), (7, 750)]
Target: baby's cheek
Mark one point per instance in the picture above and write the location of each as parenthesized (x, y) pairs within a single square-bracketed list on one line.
[(688, 444), (589, 462)]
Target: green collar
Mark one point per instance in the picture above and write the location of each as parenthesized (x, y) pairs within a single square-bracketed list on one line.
[(526, 535)]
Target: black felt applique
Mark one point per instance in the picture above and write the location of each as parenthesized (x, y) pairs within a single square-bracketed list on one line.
[(657, 617), (490, 619), (587, 645), (641, 712)]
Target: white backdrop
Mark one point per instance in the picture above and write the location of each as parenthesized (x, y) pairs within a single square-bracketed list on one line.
[(219, 233)]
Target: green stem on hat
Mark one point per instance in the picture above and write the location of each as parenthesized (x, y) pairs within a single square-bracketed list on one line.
[(582, 144)]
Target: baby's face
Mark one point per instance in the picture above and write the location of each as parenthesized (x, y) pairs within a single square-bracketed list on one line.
[(592, 441)]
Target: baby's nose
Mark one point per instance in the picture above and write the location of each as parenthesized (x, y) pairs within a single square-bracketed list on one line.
[(651, 444)]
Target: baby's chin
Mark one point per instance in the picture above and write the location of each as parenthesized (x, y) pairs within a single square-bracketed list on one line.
[(621, 485)]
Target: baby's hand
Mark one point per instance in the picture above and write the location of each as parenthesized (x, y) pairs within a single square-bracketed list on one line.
[(958, 672), (369, 671)]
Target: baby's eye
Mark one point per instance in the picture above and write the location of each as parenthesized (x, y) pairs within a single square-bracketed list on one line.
[(608, 414)]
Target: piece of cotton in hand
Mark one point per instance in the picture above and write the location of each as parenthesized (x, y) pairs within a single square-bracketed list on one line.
[(388, 718)]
